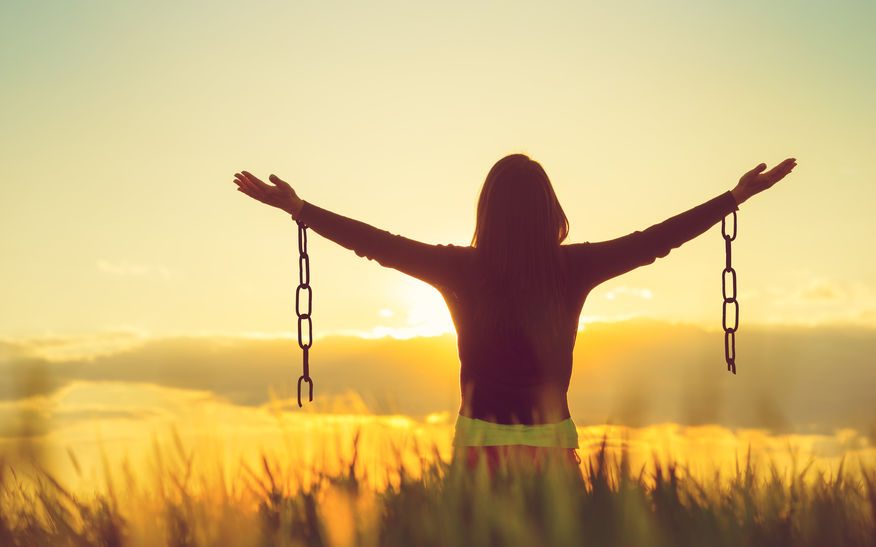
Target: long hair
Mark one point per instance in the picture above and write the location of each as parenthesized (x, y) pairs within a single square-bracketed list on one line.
[(519, 228)]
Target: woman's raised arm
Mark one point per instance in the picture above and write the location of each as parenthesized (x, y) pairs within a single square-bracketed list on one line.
[(434, 264), (598, 262)]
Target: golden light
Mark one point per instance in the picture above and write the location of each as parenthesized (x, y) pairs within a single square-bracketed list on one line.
[(427, 312)]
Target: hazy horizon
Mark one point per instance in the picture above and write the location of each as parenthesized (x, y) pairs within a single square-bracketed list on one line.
[(637, 372)]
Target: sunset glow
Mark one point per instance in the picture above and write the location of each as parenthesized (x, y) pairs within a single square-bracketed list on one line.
[(148, 309)]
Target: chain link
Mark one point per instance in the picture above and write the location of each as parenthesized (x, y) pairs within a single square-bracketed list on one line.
[(729, 298), (305, 325)]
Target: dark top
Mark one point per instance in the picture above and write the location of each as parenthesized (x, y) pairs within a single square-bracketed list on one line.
[(512, 378)]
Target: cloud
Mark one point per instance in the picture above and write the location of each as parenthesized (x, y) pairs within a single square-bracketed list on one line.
[(868, 316), (788, 378), (82, 403), (806, 299), (637, 372), (67, 347), (418, 375), (821, 290)]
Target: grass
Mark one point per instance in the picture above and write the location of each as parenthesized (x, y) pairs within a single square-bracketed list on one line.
[(436, 503)]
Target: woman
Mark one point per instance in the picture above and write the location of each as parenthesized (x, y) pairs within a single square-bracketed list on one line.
[(515, 296)]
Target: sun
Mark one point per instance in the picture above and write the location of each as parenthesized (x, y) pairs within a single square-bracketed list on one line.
[(427, 313)]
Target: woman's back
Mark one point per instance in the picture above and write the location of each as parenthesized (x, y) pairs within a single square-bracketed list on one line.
[(515, 352)]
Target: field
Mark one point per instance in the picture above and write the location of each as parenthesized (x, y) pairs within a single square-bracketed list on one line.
[(187, 494)]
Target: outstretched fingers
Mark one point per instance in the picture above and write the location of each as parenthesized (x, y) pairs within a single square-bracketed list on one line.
[(248, 187), (254, 186), (779, 172), (240, 180), (786, 165), (256, 181)]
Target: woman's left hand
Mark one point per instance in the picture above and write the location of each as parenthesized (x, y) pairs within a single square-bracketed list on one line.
[(281, 196), (756, 181)]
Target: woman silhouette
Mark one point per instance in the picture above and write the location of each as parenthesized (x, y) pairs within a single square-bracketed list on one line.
[(515, 296)]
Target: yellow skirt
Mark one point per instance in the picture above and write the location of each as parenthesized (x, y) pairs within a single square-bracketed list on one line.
[(474, 432)]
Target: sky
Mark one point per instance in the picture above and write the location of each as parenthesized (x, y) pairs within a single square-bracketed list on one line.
[(123, 236), (122, 127)]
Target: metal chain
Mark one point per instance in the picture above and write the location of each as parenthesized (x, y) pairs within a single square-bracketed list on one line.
[(729, 332), (304, 285)]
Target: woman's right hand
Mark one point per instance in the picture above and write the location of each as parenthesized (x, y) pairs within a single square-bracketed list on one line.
[(281, 196), (756, 181)]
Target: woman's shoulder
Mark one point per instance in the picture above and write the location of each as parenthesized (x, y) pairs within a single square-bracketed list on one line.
[(576, 249)]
